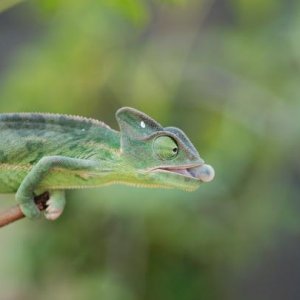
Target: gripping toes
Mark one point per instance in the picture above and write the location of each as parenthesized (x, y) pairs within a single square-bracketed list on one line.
[(28, 207), (55, 205), (30, 210)]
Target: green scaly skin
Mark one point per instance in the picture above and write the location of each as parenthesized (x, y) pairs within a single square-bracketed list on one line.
[(51, 153)]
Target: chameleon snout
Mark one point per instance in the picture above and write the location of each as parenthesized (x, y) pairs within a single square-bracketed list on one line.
[(205, 173)]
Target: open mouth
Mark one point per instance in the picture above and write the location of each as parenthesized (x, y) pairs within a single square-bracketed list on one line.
[(201, 172)]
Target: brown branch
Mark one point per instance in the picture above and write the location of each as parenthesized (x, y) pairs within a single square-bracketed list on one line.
[(14, 213)]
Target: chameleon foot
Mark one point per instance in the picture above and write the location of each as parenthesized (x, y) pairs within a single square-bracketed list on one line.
[(29, 208), (55, 205)]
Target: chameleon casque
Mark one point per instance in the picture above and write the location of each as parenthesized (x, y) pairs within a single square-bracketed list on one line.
[(51, 152)]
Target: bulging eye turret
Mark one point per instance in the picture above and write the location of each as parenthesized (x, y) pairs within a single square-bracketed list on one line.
[(165, 147)]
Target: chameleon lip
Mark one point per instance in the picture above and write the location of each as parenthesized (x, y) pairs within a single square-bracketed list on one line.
[(201, 171)]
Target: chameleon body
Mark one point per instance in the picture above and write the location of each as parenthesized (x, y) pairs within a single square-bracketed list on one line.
[(51, 153)]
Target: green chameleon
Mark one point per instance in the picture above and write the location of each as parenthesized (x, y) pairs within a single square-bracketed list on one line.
[(51, 153)]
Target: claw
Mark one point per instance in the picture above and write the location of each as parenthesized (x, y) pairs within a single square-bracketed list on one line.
[(55, 205), (52, 212)]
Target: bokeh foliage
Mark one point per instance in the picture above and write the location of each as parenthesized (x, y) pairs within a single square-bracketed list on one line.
[(226, 72)]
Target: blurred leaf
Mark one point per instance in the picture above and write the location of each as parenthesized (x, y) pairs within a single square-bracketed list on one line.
[(133, 9), (5, 4), (255, 12)]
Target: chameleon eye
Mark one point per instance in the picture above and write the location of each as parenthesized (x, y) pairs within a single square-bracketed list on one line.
[(165, 147)]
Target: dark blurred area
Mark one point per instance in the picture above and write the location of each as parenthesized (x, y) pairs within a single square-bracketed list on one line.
[(226, 72)]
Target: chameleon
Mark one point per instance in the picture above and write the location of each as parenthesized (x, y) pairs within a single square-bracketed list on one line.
[(44, 152)]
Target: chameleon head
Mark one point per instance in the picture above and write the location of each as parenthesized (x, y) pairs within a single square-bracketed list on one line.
[(161, 157)]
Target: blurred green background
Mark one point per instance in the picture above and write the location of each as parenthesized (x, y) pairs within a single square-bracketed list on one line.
[(225, 71)]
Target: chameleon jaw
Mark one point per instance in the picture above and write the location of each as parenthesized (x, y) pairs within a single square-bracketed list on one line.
[(201, 172)]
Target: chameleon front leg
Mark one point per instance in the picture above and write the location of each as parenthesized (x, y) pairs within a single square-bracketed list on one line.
[(25, 193)]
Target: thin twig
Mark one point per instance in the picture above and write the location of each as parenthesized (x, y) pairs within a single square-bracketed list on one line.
[(14, 213)]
